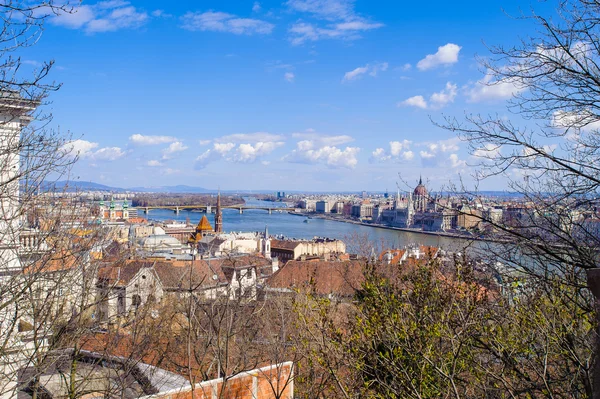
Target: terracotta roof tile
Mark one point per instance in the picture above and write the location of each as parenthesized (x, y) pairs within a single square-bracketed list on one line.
[(326, 277)]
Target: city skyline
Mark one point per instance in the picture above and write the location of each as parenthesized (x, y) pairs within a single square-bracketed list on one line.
[(296, 95)]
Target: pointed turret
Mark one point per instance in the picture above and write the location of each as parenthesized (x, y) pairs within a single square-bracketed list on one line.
[(202, 229)]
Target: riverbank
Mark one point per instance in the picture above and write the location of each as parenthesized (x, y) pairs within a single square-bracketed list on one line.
[(385, 227)]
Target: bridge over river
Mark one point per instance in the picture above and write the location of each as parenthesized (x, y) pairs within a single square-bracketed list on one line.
[(210, 209)]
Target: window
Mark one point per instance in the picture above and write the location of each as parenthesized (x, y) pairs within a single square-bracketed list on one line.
[(121, 306), (136, 300)]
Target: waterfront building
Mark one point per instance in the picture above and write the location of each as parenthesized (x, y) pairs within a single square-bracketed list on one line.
[(322, 207), (420, 211)]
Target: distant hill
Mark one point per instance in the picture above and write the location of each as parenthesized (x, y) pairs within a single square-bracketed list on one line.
[(172, 189), (77, 185), (70, 186)]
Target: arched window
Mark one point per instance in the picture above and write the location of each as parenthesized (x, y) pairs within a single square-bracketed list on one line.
[(136, 300)]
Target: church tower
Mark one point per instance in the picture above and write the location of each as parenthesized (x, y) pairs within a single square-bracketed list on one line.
[(266, 244), (219, 215), (113, 212)]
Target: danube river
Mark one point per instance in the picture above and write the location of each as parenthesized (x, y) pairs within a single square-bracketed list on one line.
[(292, 226)]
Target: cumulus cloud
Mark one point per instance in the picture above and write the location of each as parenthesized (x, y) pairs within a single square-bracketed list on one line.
[(224, 22), (415, 101), (84, 149), (303, 32), (433, 154), (256, 6), (445, 55), (342, 22), (232, 152), (105, 16), (154, 163), (323, 139), (139, 139), (584, 120), (249, 152), (489, 89), (436, 100), (173, 149), (399, 151), (289, 76), (249, 137), (487, 151), (455, 162), (371, 69), (308, 152)]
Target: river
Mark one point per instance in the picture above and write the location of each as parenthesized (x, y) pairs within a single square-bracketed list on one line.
[(292, 226)]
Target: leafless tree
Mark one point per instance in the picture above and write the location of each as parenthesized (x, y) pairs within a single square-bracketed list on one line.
[(549, 151)]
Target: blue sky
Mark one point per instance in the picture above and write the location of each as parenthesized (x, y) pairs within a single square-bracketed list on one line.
[(325, 95)]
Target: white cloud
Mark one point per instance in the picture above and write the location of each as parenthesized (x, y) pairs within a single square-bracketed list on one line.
[(406, 67), (323, 139), (445, 55), (342, 21), (488, 89), (307, 152), (108, 154), (80, 148), (487, 151), (331, 10), (447, 145), (433, 154), (455, 162), (173, 149), (355, 73), (436, 100), (426, 155), (256, 6), (249, 137), (399, 151), (84, 149), (223, 148), (249, 152), (231, 152), (204, 142), (371, 69), (444, 97), (415, 101), (289, 76), (104, 16), (160, 14), (154, 163), (139, 139), (584, 120), (224, 22), (303, 32)]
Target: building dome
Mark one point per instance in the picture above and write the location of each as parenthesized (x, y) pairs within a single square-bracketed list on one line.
[(420, 190)]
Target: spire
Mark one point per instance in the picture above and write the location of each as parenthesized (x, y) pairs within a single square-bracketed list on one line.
[(420, 180), (218, 215), (266, 231)]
